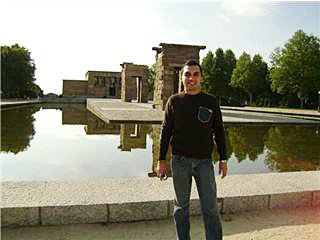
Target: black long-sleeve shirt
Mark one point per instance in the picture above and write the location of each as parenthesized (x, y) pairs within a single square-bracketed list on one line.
[(191, 122)]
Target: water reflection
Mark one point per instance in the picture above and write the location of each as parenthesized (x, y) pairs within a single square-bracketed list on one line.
[(288, 147), (133, 136), (95, 125), (246, 142), (278, 148), (17, 128), (156, 131), (293, 148)]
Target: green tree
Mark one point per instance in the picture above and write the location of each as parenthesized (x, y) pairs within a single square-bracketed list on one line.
[(207, 69), (260, 74), (230, 60), (241, 75), (234, 95), (250, 76), (217, 70), (17, 73), (219, 74), (295, 67)]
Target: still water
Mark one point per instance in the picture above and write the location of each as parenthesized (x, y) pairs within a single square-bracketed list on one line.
[(67, 142)]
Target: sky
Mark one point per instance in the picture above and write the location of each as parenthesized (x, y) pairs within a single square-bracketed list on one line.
[(67, 38)]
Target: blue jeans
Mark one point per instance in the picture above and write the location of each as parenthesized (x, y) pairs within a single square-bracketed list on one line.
[(183, 169)]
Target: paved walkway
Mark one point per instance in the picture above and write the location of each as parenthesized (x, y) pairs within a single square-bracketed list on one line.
[(232, 116), (290, 111), (10, 103), (284, 224)]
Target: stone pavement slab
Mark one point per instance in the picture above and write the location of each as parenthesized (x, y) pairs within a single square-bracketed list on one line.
[(279, 224), (117, 111)]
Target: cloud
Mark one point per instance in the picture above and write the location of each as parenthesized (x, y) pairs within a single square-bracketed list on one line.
[(248, 8)]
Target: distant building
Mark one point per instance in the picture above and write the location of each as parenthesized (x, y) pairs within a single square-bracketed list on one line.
[(104, 84), (100, 84)]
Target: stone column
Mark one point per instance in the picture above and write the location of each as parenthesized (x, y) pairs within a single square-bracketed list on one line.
[(129, 74), (169, 57)]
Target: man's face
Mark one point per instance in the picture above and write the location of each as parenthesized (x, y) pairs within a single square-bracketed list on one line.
[(191, 79)]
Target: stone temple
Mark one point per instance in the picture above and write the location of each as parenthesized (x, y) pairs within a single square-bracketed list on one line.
[(131, 84)]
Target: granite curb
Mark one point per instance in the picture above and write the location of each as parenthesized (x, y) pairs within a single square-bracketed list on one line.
[(128, 200)]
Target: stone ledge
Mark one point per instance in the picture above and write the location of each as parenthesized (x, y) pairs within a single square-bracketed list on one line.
[(128, 212), (118, 200), (24, 216), (58, 215)]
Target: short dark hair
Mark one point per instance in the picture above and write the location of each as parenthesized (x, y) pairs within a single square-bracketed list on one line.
[(192, 62)]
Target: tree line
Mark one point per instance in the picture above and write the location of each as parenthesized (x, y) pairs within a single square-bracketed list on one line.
[(17, 73), (292, 80)]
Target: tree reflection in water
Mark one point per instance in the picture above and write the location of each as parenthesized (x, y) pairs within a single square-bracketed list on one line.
[(17, 128), (246, 140), (288, 147), (293, 148)]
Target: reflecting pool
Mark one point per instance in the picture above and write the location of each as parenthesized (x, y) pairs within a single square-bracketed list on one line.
[(67, 142)]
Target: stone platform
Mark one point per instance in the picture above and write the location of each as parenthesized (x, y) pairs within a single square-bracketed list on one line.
[(117, 111), (126, 200)]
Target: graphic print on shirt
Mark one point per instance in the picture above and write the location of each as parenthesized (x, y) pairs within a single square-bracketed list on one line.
[(204, 114)]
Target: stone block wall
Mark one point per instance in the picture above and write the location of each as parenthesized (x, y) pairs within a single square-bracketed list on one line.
[(104, 84), (72, 88), (169, 60), (129, 90)]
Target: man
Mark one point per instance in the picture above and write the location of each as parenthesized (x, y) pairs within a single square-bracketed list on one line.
[(191, 121)]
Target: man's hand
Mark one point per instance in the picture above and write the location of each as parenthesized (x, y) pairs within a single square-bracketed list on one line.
[(162, 169), (223, 168)]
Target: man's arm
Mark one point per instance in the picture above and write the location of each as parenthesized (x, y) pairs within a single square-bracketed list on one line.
[(219, 134), (220, 139)]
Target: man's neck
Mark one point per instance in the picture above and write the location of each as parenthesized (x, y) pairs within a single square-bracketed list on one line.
[(192, 92)]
